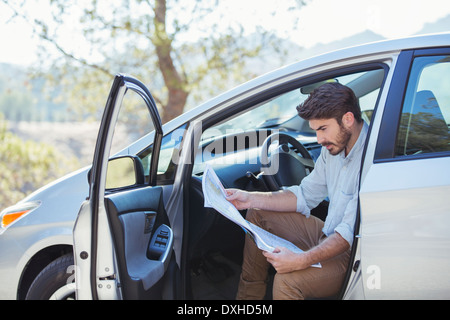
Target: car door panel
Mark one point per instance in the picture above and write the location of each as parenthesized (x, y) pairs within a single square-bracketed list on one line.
[(135, 215), (405, 225)]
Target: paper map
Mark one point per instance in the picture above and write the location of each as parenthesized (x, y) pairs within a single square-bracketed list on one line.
[(215, 197)]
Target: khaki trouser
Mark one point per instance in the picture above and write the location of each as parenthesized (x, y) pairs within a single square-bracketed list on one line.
[(308, 283)]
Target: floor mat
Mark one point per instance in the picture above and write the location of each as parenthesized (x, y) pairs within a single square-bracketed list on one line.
[(215, 278)]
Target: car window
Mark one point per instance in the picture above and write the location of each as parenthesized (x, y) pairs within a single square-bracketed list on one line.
[(168, 157), (267, 114), (281, 108), (425, 118), (133, 122)]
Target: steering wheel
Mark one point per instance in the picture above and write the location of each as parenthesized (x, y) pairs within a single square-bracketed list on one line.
[(283, 166)]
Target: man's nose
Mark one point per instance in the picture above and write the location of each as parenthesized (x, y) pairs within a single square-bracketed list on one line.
[(320, 138)]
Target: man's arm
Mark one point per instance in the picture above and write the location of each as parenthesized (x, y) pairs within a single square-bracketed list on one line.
[(284, 260), (282, 201)]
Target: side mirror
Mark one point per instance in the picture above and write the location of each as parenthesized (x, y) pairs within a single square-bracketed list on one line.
[(122, 172)]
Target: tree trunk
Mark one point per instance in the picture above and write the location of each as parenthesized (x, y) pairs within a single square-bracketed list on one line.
[(176, 85)]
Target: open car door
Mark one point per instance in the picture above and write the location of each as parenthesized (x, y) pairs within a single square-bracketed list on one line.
[(122, 238)]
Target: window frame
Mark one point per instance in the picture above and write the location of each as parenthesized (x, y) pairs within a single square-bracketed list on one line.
[(387, 135)]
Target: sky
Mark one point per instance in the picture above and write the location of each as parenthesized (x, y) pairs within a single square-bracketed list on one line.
[(388, 18), (320, 21)]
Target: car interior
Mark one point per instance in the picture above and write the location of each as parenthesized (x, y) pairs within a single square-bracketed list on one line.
[(234, 148)]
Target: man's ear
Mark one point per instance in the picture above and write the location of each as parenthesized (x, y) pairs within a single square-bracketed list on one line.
[(348, 119)]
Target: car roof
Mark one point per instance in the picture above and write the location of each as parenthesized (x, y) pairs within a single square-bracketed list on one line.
[(383, 46)]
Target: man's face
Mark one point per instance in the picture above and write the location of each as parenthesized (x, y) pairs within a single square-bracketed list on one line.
[(331, 135)]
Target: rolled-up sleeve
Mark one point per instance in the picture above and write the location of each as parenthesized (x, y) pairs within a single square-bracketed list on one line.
[(301, 202), (346, 227)]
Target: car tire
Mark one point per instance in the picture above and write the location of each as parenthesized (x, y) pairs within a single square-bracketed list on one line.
[(55, 282)]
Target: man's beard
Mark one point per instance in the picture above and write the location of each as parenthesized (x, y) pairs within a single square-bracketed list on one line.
[(342, 139)]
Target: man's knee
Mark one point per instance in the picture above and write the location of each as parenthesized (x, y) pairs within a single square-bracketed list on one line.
[(250, 216), (284, 288), (258, 216)]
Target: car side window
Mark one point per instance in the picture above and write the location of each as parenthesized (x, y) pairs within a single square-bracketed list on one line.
[(168, 156), (133, 122), (425, 118)]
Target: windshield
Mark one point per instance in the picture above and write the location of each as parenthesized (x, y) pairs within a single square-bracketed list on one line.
[(270, 113), (282, 108)]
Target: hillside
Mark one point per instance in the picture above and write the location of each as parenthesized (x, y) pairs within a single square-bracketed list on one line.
[(72, 139)]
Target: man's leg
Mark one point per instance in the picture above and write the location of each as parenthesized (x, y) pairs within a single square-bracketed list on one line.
[(254, 275), (303, 232)]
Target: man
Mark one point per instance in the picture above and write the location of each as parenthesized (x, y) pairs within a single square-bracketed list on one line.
[(333, 112)]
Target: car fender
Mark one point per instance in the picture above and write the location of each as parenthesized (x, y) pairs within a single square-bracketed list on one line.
[(19, 254)]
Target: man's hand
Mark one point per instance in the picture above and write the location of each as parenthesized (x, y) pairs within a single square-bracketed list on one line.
[(284, 260), (240, 199)]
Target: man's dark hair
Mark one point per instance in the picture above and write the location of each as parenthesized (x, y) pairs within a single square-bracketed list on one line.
[(330, 100)]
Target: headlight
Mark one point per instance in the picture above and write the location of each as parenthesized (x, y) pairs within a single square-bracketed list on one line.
[(12, 214)]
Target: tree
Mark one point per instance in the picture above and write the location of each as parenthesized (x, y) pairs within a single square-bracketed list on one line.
[(143, 38)]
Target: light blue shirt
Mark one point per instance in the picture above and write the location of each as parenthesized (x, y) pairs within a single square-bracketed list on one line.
[(335, 177)]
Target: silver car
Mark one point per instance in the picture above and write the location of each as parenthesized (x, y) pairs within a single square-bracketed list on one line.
[(142, 231)]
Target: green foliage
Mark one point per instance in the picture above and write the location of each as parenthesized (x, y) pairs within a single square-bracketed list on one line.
[(26, 166)]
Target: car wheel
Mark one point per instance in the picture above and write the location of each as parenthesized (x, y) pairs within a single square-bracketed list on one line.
[(55, 282)]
